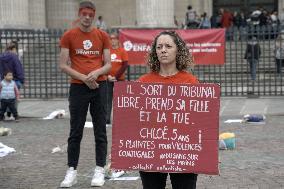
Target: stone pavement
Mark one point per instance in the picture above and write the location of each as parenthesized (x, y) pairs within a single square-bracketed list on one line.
[(257, 162), (229, 106)]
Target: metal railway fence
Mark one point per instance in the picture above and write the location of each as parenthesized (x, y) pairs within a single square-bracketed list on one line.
[(39, 53)]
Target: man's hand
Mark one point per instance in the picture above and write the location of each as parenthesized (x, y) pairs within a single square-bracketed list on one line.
[(111, 78), (92, 76), (90, 84)]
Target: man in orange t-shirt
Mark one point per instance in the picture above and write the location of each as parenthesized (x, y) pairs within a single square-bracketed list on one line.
[(119, 63), (86, 47), (168, 60)]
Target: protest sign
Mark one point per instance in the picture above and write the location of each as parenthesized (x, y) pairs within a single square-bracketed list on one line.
[(166, 127), (206, 45)]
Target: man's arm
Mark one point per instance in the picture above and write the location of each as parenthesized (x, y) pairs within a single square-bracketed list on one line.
[(122, 69), (63, 65), (92, 76)]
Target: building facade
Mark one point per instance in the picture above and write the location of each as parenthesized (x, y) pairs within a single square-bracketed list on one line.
[(39, 14)]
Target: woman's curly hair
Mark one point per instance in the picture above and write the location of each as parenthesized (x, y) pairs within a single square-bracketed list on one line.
[(184, 59)]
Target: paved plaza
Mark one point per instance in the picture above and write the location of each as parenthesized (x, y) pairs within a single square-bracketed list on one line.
[(256, 163)]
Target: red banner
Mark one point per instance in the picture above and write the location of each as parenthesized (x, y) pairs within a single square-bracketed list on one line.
[(165, 127), (207, 45)]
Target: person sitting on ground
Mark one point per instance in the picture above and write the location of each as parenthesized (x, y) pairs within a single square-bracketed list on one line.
[(9, 93)]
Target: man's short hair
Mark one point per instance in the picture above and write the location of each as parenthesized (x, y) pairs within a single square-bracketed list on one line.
[(87, 4)]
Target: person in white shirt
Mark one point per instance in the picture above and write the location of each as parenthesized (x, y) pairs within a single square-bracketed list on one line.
[(100, 23)]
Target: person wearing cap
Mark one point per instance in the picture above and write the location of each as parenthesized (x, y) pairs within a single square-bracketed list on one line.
[(119, 63), (88, 50)]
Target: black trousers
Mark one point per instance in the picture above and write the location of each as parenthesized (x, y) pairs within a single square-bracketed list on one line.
[(109, 101), (81, 97), (279, 65), (8, 103), (156, 180)]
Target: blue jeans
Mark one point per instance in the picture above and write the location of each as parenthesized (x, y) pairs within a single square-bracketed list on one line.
[(252, 66)]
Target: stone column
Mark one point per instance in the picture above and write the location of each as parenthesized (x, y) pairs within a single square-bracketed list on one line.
[(14, 14), (155, 13), (281, 13), (61, 13), (37, 14)]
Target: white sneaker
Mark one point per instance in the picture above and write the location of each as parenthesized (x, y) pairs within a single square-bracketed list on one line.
[(70, 178), (11, 118), (114, 174), (99, 177)]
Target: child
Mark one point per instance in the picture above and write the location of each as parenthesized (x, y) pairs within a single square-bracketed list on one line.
[(8, 94)]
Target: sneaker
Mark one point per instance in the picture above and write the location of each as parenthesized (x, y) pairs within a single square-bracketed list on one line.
[(17, 119), (70, 178), (99, 177), (114, 173), (9, 118)]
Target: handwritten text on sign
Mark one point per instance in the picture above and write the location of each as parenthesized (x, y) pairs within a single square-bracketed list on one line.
[(166, 127)]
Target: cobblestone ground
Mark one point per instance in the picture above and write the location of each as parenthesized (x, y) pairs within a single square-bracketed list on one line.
[(257, 162)]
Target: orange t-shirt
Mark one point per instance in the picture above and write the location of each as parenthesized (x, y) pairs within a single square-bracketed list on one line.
[(85, 50), (180, 78), (118, 56)]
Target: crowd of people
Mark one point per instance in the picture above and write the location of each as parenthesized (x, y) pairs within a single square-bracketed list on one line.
[(224, 18)]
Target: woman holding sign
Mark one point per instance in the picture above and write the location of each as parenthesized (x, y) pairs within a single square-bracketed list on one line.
[(169, 59)]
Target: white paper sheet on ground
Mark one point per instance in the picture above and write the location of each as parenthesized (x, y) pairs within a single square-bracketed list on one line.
[(88, 124), (56, 149), (5, 150), (233, 121), (125, 178), (63, 148), (56, 114)]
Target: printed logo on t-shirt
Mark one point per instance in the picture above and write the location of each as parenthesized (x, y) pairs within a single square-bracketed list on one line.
[(114, 58), (87, 44)]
